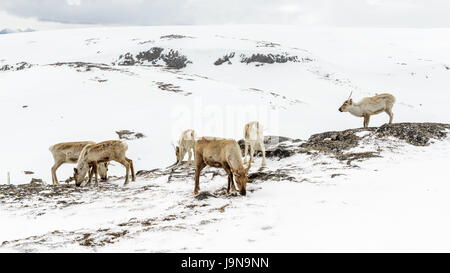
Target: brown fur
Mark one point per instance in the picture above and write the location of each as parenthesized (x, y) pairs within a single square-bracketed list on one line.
[(93, 154), (370, 106), (221, 153), (69, 152)]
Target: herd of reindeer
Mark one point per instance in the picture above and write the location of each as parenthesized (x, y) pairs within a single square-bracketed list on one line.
[(93, 158)]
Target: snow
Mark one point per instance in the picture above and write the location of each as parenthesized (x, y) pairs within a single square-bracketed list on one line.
[(396, 202)]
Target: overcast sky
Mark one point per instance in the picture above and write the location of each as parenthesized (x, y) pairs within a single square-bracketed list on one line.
[(48, 14)]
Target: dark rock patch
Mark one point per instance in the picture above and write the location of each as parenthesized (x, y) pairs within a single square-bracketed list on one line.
[(172, 88), (204, 195), (173, 59), (151, 55), (85, 67), (349, 157), (418, 134), (334, 141), (277, 175), (224, 59), (271, 58), (175, 36), (129, 135), (15, 67)]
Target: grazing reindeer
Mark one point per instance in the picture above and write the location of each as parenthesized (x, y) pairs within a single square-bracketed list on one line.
[(370, 106), (185, 145), (253, 137), (69, 152), (94, 154), (221, 153)]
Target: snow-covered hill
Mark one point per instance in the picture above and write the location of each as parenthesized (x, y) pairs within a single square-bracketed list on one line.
[(88, 84)]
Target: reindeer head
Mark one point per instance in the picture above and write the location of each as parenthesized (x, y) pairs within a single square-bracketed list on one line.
[(79, 174), (241, 177), (177, 152), (77, 177), (103, 170), (346, 104)]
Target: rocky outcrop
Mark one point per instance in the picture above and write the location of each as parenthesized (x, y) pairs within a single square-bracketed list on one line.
[(172, 59)]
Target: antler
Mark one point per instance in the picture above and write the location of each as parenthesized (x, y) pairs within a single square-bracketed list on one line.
[(249, 165), (350, 95)]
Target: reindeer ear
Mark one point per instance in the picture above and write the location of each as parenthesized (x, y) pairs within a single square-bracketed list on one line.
[(351, 101)]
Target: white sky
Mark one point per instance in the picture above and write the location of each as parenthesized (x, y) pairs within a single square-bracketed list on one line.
[(50, 14)]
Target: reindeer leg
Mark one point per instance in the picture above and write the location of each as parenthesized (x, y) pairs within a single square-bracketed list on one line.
[(245, 152), (54, 168), (189, 157), (96, 174), (127, 167), (198, 168), (263, 149), (366, 120), (231, 189), (252, 151), (91, 172), (133, 175), (391, 115)]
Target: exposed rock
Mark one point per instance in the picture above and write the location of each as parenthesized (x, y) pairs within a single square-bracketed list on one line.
[(337, 142), (356, 156), (204, 195), (334, 141), (275, 146), (151, 55), (15, 67), (85, 67), (126, 59), (36, 181), (269, 176), (129, 135), (172, 88), (224, 59), (173, 59), (418, 134), (175, 36), (272, 58)]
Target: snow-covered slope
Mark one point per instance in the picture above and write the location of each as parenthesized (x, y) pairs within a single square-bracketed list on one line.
[(47, 103), (69, 85)]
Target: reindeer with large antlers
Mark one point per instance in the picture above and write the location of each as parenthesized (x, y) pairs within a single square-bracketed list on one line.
[(369, 106), (221, 153)]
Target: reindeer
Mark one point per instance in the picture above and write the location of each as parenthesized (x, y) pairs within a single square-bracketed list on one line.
[(370, 106), (221, 153), (94, 154), (185, 145), (69, 152), (253, 137)]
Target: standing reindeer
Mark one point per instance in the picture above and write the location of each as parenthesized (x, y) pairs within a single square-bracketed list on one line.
[(185, 145), (370, 106), (69, 152), (221, 153), (95, 154), (254, 138)]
